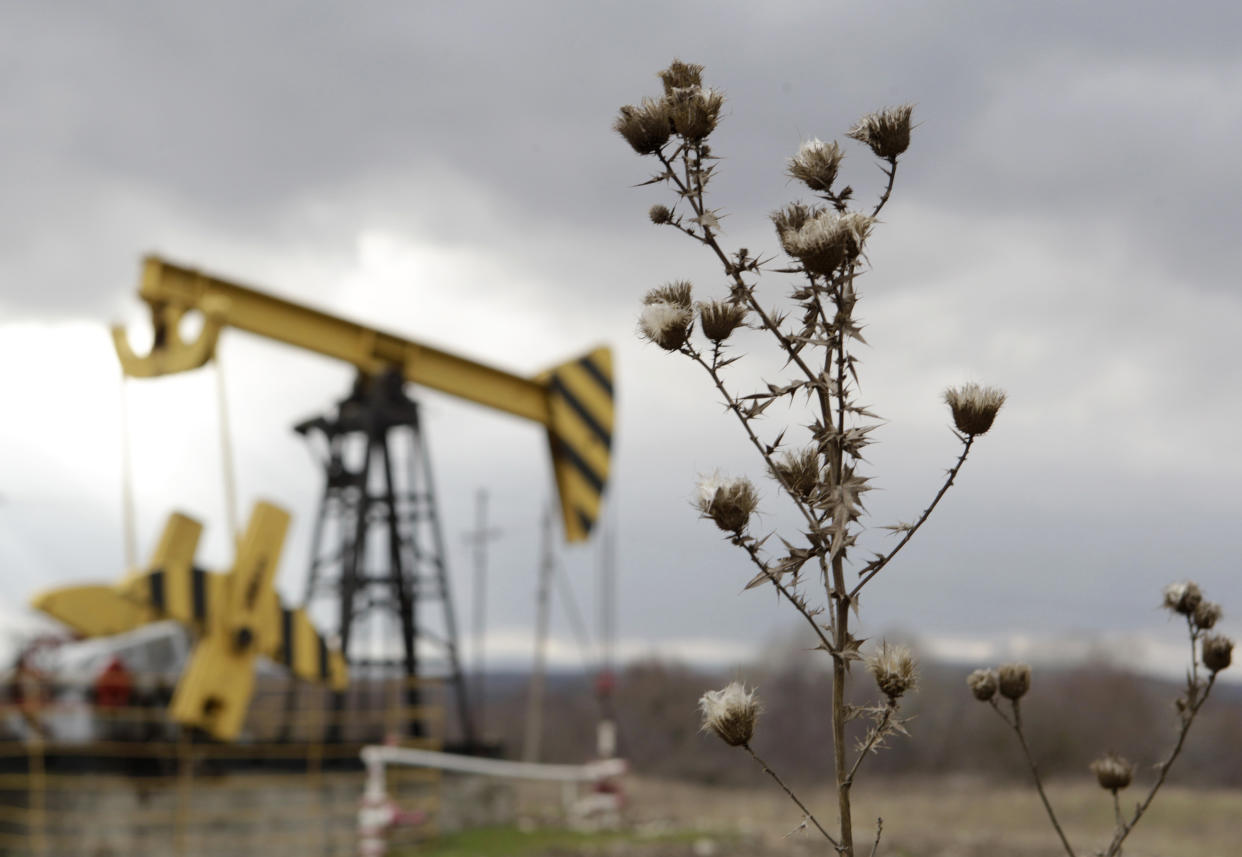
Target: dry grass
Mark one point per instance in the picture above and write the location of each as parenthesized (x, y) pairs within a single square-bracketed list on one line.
[(949, 817)]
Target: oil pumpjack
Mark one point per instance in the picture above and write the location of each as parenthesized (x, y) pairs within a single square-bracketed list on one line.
[(378, 553)]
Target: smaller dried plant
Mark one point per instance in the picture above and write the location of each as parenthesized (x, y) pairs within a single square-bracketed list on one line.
[(1209, 653)]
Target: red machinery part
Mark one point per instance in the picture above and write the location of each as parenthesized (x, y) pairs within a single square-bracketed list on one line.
[(115, 685)]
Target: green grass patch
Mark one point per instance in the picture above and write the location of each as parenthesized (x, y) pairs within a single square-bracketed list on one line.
[(512, 842)]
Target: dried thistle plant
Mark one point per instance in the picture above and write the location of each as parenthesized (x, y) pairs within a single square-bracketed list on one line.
[(1208, 652), (815, 334)]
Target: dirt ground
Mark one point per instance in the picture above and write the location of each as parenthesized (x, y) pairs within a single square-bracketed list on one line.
[(951, 817)]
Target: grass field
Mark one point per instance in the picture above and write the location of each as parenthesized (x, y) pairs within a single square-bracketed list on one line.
[(951, 817)]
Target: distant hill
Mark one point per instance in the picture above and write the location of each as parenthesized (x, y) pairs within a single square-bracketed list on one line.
[(1073, 715)]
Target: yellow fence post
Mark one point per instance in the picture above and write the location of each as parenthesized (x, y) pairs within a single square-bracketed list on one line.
[(36, 786), (314, 772), (185, 785)]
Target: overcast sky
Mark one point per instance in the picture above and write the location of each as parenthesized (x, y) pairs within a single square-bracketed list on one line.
[(1064, 226)]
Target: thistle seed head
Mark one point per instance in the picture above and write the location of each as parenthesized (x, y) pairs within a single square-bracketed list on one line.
[(694, 111), (816, 164), (974, 407), (826, 241), (799, 471), (894, 670), (1183, 597), (1113, 772), (730, 713), (982, 684), (790, 219), (677, 293), (886, 132), (1013, 680), (728, 502), (646, 127), (660, 214), (1207, 614), (681, 75), (1217, 652), (720, 318), (665, 324)]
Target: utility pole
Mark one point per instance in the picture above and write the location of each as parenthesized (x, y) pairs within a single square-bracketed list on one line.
[(605, 682), (534, 701), (478, 539)]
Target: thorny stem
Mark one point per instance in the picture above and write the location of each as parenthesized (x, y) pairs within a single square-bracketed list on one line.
[(891, 172), (876, 566), (876, 734), (1194, 654), (879, 830), (771, 773), (837, 590), (1016, 725), (838, 708), (713, 370), (696, 203), (753, 551), (819, 303), (1188, 718)]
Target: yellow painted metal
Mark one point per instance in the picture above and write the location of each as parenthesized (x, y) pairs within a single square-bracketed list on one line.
[(93, 609), (171, 291), (214, 691), (574, 401), (37, 796), (580, 428), (236, 615), (252, 593)]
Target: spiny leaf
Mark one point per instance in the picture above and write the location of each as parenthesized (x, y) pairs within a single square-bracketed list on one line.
[(862, 411), (656, 179), (774, 445), (758, 408), (854, 606), (850, 651), (760, 578), (854, 331)]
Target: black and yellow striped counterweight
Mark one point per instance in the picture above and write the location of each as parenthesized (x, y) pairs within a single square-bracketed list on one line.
[(580, 411)]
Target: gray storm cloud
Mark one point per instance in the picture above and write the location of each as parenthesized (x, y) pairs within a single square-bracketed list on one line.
[(1064, 226)]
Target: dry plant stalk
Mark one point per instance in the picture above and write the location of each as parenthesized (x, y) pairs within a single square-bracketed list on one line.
[(825, 241), (1209, 652)]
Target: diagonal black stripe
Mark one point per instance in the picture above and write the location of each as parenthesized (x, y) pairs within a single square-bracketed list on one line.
[(323, 656), (594, 371), (155, 584), (580, 409), (286, 636), (567, 452), (585, 521), (198, 589)]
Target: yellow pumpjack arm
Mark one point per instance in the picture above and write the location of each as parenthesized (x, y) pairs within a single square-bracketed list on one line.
[(573, 401)]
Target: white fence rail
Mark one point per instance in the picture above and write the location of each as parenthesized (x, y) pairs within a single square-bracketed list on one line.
[(379, 813)]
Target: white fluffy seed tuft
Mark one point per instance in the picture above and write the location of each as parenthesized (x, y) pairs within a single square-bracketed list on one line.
[(665, 324), (731, 713)]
